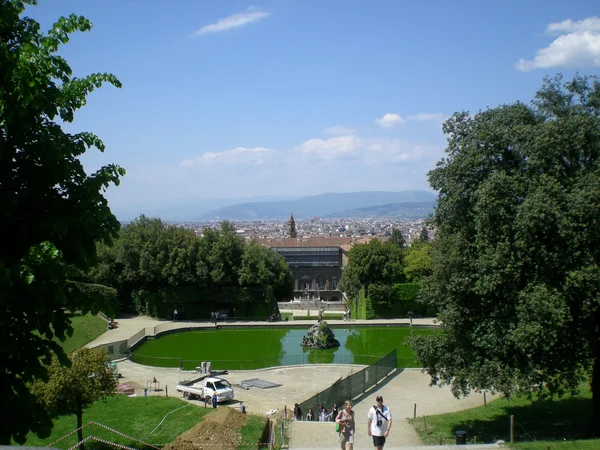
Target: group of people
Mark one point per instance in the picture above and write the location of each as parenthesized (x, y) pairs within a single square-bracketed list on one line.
[(378, 424), (214, 316), (322, 416), (274, 317)]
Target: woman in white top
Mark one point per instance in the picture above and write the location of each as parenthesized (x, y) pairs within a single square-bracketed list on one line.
[(346, 420)]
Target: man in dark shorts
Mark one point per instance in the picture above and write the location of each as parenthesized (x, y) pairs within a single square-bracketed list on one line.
[(380, 422)]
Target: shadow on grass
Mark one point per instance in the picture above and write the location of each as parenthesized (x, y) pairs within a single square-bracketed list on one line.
[(542, 420)]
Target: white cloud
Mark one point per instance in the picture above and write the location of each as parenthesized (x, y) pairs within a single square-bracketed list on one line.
[(578, 46), (244, 155), (368, 163), (382, 151), (569, 26), (426, 116), (331, 147), (389, 120), (339, 130), (227, 23)]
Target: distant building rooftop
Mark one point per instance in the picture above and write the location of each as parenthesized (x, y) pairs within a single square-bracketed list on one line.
[(306, 242)]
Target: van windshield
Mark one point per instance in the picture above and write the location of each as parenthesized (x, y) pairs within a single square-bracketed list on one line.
[(223, 384)]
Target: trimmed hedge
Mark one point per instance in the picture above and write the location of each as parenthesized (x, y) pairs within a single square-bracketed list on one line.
[(389, 301)]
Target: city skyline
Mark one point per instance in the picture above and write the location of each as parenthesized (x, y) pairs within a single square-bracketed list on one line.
[(243, 99)]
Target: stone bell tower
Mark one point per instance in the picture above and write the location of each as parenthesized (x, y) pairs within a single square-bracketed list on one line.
[(292, 226)]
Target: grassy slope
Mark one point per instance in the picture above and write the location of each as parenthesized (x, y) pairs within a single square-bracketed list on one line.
[(86, 329), (552, 421), (134, 416)]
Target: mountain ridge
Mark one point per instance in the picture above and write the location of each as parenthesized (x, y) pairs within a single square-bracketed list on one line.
[(322, 205)]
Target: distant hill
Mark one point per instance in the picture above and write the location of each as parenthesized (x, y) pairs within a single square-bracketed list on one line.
[(323, 205), (184, 210), (409, 210)]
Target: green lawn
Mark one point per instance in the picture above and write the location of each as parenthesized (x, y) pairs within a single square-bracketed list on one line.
[(86, 329), (137, 417), (554, 421)]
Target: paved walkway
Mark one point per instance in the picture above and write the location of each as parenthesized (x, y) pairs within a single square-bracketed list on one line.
[(401, 391)]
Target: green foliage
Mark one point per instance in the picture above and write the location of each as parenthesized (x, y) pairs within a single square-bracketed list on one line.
[(53, 212), (516, 274), (397, 238), (424, 234), (156, 268), (361, 306), (375, 263), (104, 297), (406, 292), (417, 261), (69, 390)]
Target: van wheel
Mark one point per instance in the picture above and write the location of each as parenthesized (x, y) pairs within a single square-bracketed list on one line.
[(186, 395), (208, 399)]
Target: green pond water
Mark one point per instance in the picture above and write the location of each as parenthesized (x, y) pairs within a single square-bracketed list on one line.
[(253, 348)]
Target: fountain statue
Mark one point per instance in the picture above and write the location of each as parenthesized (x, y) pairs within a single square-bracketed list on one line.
[(320, 336)]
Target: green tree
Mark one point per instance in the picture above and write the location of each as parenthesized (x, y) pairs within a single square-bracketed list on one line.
[(397, 238), (53, 213), (262, 266), (149, 257), (69, 390), (417, 261), (516, 275), (221, 253), (373, 263), (424, 234)]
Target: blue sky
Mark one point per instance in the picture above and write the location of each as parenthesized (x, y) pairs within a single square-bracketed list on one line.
[(236, 99)]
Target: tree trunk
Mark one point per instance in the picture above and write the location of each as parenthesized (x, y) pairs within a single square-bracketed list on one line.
[(79, 415)]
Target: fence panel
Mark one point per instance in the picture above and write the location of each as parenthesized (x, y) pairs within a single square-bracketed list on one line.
[(352, 386)]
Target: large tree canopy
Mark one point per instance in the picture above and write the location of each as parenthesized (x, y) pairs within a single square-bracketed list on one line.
[(374, 263), (52, 213), (516, 259), (157, 267)]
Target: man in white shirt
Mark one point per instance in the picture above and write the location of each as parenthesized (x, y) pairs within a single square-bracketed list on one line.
[(380, 422)]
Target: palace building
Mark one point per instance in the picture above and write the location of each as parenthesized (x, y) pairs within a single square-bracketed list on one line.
[(316, 262)]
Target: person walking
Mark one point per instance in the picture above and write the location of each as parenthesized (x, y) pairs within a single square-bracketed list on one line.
[(310, 416), (345, 418), (379, 423), (214, 400), (297, 412), (334, 412)]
